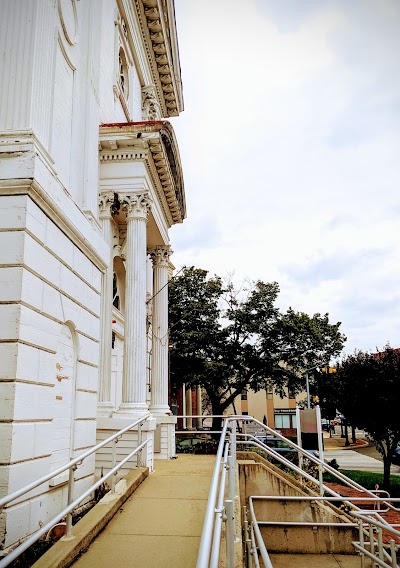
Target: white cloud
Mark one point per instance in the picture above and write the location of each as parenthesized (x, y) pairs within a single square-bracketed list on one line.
[(290, 149)]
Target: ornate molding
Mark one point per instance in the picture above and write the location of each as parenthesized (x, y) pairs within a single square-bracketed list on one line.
[(157, 20), (156, 145), (123, 155), (69, 20), (108, 205), (160, 255), (151, 109), (136, 206)]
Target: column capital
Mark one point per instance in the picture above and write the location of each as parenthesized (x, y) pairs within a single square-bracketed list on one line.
[(160, 255), (108, 206), (135, 205)]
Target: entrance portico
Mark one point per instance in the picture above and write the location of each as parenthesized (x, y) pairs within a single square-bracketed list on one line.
[(141, 197)]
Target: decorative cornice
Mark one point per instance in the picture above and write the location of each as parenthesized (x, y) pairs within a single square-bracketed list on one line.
[(150, 106), (154, 143), (158, 28), (160, 255), (135, 206)]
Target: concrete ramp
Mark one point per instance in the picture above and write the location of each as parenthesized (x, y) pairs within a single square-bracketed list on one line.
[(160, 525)]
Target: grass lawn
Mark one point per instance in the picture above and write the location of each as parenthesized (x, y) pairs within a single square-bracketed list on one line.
[(368, 480)]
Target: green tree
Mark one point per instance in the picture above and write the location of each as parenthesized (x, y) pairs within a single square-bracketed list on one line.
[(368, 393), (227, 340)]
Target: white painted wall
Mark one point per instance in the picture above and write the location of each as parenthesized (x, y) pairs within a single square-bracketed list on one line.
[(51, 256), (59, 69)]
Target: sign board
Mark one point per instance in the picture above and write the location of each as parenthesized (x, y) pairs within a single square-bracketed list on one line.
[(309, 429)]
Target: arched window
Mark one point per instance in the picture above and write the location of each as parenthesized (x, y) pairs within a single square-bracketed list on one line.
[(123, 74)]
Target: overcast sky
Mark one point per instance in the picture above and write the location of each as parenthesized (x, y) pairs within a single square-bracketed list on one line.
[(290, 144)]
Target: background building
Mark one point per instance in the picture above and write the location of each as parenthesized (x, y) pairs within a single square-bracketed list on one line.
[(83, 301)]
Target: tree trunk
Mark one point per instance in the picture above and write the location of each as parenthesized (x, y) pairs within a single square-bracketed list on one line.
[(216, 423), (216, 410), (346, 432), (387, 462)]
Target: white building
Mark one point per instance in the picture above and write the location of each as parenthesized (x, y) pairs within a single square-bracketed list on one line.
[(84, 247)]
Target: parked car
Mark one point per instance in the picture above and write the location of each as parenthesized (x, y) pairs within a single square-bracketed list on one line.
[(396, 455), (325, 424)]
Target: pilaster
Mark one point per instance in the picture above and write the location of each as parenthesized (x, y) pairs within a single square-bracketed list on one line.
[(106, 203)]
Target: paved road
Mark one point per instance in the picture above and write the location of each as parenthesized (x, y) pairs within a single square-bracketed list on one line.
[(349, 459)]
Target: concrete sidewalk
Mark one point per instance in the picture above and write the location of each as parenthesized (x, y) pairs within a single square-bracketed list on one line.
[(160, 524), (349, 459)]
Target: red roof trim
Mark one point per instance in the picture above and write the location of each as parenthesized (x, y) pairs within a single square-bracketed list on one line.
[(122, 124)]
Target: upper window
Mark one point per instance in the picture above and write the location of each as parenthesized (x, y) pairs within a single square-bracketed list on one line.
[(123, 74), (123, 67)]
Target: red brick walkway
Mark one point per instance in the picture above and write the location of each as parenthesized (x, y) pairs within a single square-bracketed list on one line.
[(391, 517)]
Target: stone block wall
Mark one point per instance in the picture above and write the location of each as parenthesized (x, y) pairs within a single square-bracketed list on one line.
[(49, 348)]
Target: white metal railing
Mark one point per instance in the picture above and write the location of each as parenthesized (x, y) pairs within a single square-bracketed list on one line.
[(372, 548), (221, 505), (71, 502), (219, 509)]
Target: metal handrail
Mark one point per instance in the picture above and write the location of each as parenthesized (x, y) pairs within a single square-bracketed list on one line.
[(203, 557), (299, 449), (218, 522), (66, 512), (363, 520), (31, 540), (208, 546), (259, 538), (26, 488), (316, 460)]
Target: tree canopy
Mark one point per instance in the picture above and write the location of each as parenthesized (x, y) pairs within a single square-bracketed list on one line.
[(366, 390), (226, 340)]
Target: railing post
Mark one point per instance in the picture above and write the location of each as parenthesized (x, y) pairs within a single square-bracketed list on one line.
[(139, 454), (247, 539), (298, 427), (320, 450), (231, 477), (393, 553), (230, 533), (233, 442), (70, 498), (232, 472), (371, 539), (380, 544), (361, 529), (113, 463)]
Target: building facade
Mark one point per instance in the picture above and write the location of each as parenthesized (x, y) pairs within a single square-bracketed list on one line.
[(270, 408), (90, 183)]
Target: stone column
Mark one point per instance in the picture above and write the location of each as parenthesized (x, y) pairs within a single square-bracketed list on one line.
[(159, 361), (136, 207), (105, 405)]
